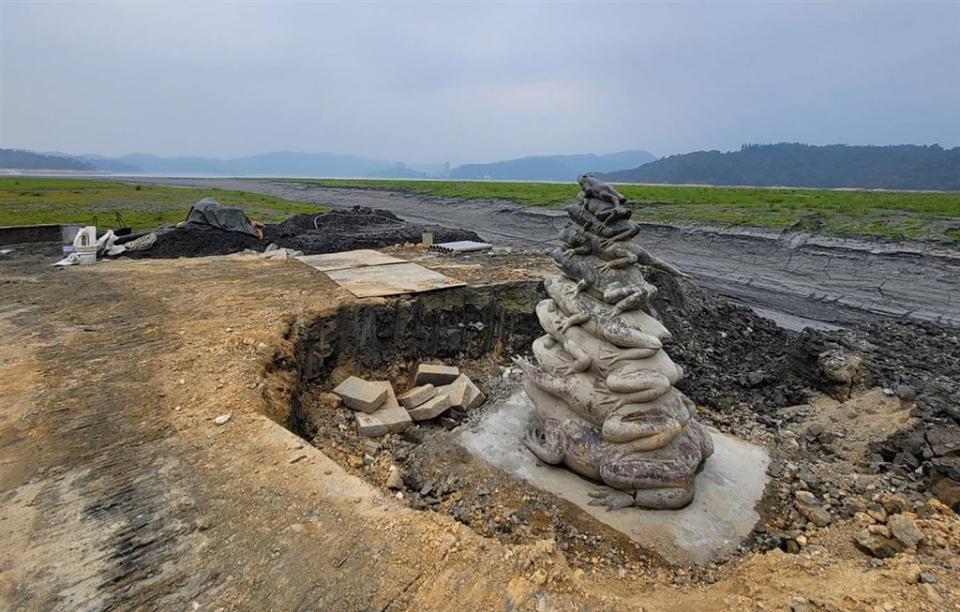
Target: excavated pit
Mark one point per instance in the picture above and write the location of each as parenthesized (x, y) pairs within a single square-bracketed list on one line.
[(478, 329), (744, 372)]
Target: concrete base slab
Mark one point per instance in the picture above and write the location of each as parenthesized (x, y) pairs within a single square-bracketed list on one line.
[(721, 515)]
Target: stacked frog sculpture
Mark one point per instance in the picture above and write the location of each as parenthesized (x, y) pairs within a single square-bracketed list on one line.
[(602, 384)]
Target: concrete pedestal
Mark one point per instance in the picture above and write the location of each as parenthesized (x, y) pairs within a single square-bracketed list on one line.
[(721, 515)]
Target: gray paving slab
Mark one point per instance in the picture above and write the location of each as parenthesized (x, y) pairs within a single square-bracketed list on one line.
[(392, 279), (360, 258)]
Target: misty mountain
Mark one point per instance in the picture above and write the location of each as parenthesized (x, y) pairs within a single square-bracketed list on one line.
[(551, 167), (800, 165), (107, 164), (26, 160), (278, 163), (398, 171)]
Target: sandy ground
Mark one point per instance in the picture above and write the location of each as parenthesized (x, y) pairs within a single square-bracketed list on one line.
[(119, 491), (797, 279)]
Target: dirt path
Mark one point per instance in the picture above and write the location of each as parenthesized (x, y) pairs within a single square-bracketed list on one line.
[(796, 279)]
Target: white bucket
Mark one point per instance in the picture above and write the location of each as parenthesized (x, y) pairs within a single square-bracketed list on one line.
[(85, 245)]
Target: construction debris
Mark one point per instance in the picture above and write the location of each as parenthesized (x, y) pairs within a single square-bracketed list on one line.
[(362, 395), (390, 418), (463, 393), (417, 396), (378, 411), (435, 374), (431, 409)]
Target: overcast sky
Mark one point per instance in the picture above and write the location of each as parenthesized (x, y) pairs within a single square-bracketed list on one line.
[(474, 82)]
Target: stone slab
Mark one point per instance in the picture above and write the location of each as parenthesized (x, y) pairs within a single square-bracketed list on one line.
[(435, 374), (463, 393), (326, 262), (390, 418), (431, 408), (418, 395), (721, 515), (392, 279), (361, 395)]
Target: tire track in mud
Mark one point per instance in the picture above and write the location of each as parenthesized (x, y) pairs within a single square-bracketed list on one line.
[(796, 279), (105, 503)]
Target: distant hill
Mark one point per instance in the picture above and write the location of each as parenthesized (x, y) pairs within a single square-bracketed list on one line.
[(551, 167), (799, 165), (25, 160), (398, 171)]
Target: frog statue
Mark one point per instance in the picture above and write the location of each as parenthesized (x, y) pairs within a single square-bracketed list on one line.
[(603, 386)]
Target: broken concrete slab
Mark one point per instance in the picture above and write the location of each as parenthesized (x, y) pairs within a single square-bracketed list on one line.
[(362, 395), (475, 396), (463, 393), (418, 395), (431, 408), (456, 391), (721, 515), (389, 418), (435, 374)]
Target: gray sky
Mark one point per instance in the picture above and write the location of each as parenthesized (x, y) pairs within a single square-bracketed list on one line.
[(474, 82)]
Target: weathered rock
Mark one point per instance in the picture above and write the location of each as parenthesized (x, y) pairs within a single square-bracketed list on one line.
[(394, 479), (431, 409), (842, 371), (947, 491), (909, 573), (434, 374), (877, 545), (815, 514), (416, 396), (904, 529), (894, 503), (362, 395)]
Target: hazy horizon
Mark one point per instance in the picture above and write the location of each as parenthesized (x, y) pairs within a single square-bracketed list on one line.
[(472, 83)]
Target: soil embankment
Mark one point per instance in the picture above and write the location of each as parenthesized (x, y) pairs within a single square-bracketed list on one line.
[(798, 279)]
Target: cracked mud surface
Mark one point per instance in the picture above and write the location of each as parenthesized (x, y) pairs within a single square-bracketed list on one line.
[(798, 278)]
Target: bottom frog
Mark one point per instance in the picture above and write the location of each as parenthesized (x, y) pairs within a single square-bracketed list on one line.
[(658, 479)]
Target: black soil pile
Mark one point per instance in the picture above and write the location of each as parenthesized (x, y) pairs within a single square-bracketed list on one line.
[(192, 242), (730, 355), (357, 228), (337, 230), (735, 360)]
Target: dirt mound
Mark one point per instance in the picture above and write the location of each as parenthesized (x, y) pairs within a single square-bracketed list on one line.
[(730, 355), (192, 242), (337, 230), (738, 363), (357, 228)]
